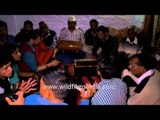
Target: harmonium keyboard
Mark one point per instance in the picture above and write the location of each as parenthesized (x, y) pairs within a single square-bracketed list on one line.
[(85, 67)]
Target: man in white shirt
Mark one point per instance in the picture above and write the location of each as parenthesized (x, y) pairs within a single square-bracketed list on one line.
[(147, 90), (71, 33), (130, 44)]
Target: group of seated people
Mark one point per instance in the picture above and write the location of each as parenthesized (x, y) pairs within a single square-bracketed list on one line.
[(32, 66)]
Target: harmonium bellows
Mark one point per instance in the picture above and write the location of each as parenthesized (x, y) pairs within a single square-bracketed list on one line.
[(85, 67), (69, 46)]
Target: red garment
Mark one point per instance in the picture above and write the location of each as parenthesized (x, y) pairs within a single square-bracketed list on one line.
[(43, 53)]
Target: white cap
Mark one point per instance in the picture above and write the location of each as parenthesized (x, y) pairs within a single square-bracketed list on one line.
[(72, 19)]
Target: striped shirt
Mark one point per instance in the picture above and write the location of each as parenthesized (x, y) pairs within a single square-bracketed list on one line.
[(76, 35), (110, 92)]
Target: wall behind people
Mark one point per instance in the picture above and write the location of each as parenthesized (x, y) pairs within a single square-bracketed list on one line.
[(57, 22)]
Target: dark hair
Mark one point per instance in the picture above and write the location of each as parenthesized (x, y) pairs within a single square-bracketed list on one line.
[(3, 24), (33, 34), (38, 32), (144, 60), (41, 22), (28, 22), (4, 60), (42, 25), (8, 49), (131, 29), (60, 79), (148, 50), (103, 29), (93, 21), (113, 65)]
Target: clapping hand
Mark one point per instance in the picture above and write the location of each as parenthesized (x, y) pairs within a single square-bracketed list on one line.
[(27, 86)]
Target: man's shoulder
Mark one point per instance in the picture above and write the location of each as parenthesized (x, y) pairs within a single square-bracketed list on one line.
[(156, 73), (52, 32), (88, 31), (123, 40), (35, 99), (112, 37), (80, 29), (20, 33), (63, 29), (11, 36)]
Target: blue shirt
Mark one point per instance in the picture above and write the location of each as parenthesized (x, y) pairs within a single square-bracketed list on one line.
[(14, 79), (36, 99), (84, 102), (30, 59)]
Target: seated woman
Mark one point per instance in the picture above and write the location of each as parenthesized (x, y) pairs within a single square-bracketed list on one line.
[(6, 71), (12, 51), (29, 57), (43, 53)]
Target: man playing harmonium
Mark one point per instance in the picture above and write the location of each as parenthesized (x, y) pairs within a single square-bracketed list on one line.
[(70, 42)]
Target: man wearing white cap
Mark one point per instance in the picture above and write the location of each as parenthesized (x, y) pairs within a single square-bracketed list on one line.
[(71, 33)]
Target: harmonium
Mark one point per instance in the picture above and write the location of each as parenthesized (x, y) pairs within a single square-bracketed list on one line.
[(69, 46), (85, 67)]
